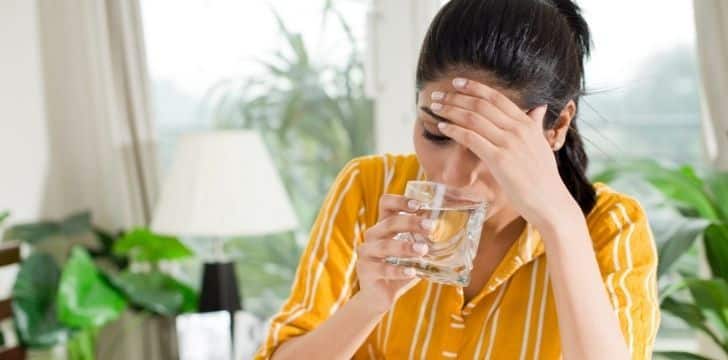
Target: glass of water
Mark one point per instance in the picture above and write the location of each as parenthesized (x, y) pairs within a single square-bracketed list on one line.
[(457, 217)]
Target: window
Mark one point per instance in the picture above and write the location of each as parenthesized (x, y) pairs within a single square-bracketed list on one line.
[(231, 64), (643, 82), (643, 102)]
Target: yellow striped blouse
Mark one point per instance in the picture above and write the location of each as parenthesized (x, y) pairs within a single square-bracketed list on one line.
[(513, 316)]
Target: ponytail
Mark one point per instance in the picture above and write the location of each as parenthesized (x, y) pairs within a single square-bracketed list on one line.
[(572, 163), (571, 159)]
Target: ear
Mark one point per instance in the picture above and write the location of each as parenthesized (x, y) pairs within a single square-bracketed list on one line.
[(556, 136)]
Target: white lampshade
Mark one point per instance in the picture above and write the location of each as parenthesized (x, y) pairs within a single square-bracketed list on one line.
[(223, 184)]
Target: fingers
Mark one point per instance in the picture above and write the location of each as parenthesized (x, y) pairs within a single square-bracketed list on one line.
[(379, 242), (391, 204), (470, 120), (381, 270), (493, 96), (391, 226), (538, 115), (383, 248), (479, 145), (487, 110)]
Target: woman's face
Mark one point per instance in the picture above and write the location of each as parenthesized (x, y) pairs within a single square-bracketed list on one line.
[(444, 160)]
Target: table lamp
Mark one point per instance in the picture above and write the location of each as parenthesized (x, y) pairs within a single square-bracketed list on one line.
[(222, 184)]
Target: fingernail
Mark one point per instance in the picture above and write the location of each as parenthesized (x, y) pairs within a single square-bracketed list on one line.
[(442, 125), (413, 204), (409, 272), (437, 95), (419, 248), (459, 82), (436, 107), (427, 224)]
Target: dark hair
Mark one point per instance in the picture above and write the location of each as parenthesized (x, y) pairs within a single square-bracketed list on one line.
[(534, 47)]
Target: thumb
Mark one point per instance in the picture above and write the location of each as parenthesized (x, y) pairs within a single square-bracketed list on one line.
[(538, 114)]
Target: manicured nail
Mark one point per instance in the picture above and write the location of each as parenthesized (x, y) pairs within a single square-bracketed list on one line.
[(413, 204), (436, 107), (410, 272), (459, 82), (427, 224), (441, 125), (419, 248), (437, 95)]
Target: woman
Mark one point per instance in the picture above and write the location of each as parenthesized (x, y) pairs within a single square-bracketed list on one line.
[(564, 268)]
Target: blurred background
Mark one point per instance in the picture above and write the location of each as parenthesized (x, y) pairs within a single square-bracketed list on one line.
[(98, 97)]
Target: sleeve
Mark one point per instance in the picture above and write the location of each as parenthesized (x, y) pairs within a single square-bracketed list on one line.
[(627, 259), (325, 273)]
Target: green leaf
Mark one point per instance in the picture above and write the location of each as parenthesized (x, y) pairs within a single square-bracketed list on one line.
[(105, 251), (4, 215), (715, 239), (711, 296), (81, 346), (691, 314), (32, 233), (680, 186), (679, 242), (85, 299), (688, 312), (156, 292), (608, 174), (143, 245), (79, 223), (34, 302), (679, 355), (717, 184), (683, 188)]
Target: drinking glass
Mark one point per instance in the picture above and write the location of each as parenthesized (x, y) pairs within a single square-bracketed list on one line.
[(457, 216)]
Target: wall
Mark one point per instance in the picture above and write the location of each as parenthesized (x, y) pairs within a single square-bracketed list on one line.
[(23, 128)]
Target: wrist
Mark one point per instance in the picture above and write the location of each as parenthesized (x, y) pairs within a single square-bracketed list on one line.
[(560, 217), (375, 304)]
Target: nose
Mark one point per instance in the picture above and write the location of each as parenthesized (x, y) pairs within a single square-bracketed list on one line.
[(461, 168)]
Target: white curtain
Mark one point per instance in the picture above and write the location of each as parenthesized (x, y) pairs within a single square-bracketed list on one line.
[(711, 25), (101, 135), (100, 131), (711, 22)]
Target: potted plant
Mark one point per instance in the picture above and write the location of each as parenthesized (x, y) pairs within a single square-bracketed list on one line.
[(700, 301), (81, 284)]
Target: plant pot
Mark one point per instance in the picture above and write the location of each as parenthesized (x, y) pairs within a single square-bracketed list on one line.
[(138, 335), (57, 352)]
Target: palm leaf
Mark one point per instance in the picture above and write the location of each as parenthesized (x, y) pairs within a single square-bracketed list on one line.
[(716, 249), (717, 184), (691, 314), (680, 240), (680, 186)]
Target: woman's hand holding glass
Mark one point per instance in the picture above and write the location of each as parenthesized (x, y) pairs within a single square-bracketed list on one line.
[(380, 282)]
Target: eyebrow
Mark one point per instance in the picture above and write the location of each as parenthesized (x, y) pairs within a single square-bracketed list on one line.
[(433, 115)]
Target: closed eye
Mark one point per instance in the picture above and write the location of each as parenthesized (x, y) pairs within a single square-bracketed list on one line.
[(435, 138), (438, 139)]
